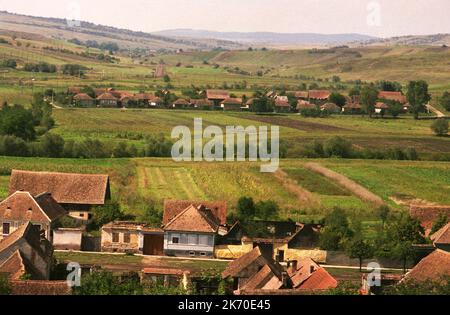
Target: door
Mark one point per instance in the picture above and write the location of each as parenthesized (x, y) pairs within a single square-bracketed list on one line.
[(153, 244)]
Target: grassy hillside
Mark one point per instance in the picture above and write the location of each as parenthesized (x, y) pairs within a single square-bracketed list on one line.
[(156, 179), (117, 125)]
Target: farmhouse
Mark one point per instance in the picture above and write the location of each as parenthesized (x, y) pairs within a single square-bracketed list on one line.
[(25, 252), (282, 105), (392, 96), (202, 103), (83, 100), (301, 105), (352, 108), (441, 239), (231, 104), (132, 237), (319, 95), (76, 193), (21, 207), (431, 268), (156, 102), (107, 100), (181, 103), (217, 96), (143, 99)]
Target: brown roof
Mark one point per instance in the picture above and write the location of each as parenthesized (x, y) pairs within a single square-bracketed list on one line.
[(74, 90), (301, 104), (193, 219), (250, 101), (107, 96), (427, 215), (144, 96), (353, 106), (301, 94), (432, 267), (264, 278), (82, 97), (131, 226), (442, 236), (281, 103), (66, 188), (237, 266), (319, 94), (232, 101), (319, 280), (22, 206), (181, 101), (173, 207), (303, 271), (100, 91), (14, 236), (36, 287), (392, 96), (14, 266), (217, 94)]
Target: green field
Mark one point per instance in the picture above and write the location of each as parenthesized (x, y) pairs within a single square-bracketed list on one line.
[(157, 179)]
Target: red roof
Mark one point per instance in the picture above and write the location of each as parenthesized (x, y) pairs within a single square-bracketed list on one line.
[(82, 97), (381, 105), (442, 236), (107, 96), (301, 104), (173, 207), (217, 94), (14, 266), (194, 219), (281, 103), (301, 94), (432, 267), (232, 101), (392, 96), (319, 94), (22, 206), (319, 280)]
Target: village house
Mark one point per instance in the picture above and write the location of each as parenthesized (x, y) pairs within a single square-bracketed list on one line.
[(191, 228), (26, 252), (132, 237), (143, 99), (202, 104), (380, 108), (318, 96), (441, 238), (156, 102), (352, 108), (107, 100), (392, 96), (124, 100), (83, 100), (181, 103), (302, 104), (231, 104), (282, 105), (76, 193), (21, 207), (431, 268), (256, 273), (300, 95), (331, 108), (280, 240), (217, 96)]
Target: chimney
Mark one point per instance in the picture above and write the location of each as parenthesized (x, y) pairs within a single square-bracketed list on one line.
[(311, 269), (292, 266), (284, 279)]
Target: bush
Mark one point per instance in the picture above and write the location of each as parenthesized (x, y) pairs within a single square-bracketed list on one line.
[(52, 145), (440, 127), (73, 69), (13, 146), (338, 147), (158, 146), (17, 121), (9, 63), (445, 101)]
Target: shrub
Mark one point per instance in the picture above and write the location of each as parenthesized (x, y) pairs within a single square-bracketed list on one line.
[(10, 63), (13, 146), (445, 101), (338, 147), (52, 145), (440, 127)]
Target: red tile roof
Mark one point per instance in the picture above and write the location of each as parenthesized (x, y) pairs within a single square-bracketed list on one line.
[(74, 90), (173, 207), (281, 103), (381, 105), (91, 189), (14, 236), (82, 97), (232, 101), (181, 101), (263, 279), (301, 104), (217, 94), (107, 96), (14, 266), (193, 219), (144, 96), (319, 94), (352, 106), (319, 280), (201, 102), (432, 267), (392, 96), (22, 206), (442, 236), (301, 94)]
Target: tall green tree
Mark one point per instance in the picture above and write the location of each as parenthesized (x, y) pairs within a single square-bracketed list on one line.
[(361, 249), (17, 121), (418, 96), (369, 96)]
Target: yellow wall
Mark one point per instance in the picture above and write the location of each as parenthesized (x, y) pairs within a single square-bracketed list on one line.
[(232, 251)]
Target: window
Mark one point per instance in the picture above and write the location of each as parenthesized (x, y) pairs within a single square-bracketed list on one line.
[(192, 254), (6, 228), (203, 240), (126, 238), (175, 240), (81, 215), (203, 254), (184, 239), (115, 237), (193, 239)]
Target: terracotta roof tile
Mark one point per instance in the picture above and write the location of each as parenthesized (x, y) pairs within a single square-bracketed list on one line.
[(392, 96), (442, 236), (193, 219), (319, 94), (107, 96), (217, 94), (181, 101), (432, 267), (260, 279), (14, 266), (427, 215), (319, 280), (14, 236), (82, 97), (64, 187), (173, 207), (281, 103), (301, 104), (232, 101)]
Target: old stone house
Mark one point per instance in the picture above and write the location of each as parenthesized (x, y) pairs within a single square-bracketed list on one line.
[(76, 193), (22, 207)]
